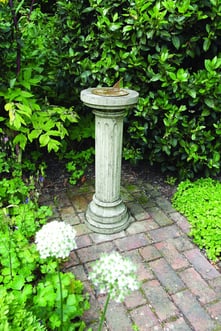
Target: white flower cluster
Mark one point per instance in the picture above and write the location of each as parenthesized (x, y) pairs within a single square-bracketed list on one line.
[(115, 275), (55, 239)]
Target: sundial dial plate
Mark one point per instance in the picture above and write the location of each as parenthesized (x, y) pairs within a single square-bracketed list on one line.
[(110, 91)]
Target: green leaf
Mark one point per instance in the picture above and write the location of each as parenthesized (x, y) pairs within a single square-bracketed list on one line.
[(209, 103), (18, 283), (44, 139), (53, 145), (34, 134), (206, 44), (21, 140), (172, 75), (176, 42)]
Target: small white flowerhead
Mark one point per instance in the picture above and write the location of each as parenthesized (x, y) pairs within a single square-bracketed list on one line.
[(55, 239), (114, 274)]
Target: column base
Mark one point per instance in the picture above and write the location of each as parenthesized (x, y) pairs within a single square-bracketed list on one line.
[(107, 217)]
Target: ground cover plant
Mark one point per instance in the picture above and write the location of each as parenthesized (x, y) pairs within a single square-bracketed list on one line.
[(200, 202)]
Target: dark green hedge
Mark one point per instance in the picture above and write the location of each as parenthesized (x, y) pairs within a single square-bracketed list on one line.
[(169, 51)]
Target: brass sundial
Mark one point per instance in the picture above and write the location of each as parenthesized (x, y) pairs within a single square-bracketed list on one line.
[(114, 91)]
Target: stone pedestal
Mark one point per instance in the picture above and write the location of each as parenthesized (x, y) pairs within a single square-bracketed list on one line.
[(107, 213)]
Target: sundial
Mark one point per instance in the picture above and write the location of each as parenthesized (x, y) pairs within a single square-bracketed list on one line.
[(107, 213), (114, 91)]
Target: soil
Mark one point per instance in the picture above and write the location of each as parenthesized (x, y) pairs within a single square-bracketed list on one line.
[(57, 177)]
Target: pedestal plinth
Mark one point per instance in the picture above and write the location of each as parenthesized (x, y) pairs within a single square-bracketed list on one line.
[(107, 213)]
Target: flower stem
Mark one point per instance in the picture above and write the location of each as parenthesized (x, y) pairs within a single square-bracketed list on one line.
[(61, 300), (104, 313)]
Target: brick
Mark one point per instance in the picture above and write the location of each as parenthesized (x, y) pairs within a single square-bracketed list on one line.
[(150, 204), (182, 243), (92, 314), (143, 317), (184, 226), (181, 221), (169, 251), (154, 193), (178, 325), (82, 217), (98, 238), (73, 260), (164, 204), (193, 311), (135, 299), (215, 311), (216, 284), (201, 264), (164, 233), (159, 300), (79, 272), (137, 211), (159, 216), (198, 286), (141, 198), (143, 270), (157, 327), (167, 276), (138, 227), (68, 214), (79, 202), (81, 229), (83, 241), (92, 253), (150, 253), (125, 195), (177, 217), (132, 242), (151, 224), (117, 317)]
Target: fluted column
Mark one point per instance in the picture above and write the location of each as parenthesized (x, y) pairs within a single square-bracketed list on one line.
[(107, 213), (108, 147)]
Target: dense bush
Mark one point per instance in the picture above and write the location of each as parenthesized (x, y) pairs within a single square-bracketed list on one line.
[(169, 51)]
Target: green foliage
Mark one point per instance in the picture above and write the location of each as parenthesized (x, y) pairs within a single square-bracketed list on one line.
[(200, 202), (29, 285), (78, 163), (47, 301), (13, 314), (169, 51), (31, 121)]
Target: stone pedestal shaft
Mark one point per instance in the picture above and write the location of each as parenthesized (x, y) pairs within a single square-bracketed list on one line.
[(107, 213), (108, 147)]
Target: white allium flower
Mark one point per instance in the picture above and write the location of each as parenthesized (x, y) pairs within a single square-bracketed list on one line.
[(114, 274), (55, 239)]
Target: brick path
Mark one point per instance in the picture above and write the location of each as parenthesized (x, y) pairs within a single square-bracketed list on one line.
[(181, 290)]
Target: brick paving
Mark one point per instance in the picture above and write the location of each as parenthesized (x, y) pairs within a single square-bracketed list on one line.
[(180, 289)]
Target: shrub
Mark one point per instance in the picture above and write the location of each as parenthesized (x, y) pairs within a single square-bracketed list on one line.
[(168, 51), (200, 202)]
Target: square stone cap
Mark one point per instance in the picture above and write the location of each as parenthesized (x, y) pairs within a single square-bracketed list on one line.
[(109, 102)]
